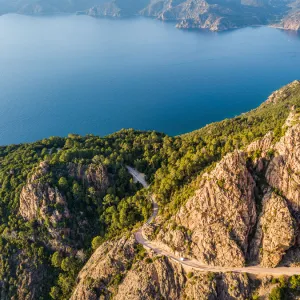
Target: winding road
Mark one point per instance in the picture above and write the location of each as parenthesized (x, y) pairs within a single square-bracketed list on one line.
[(257, 270)]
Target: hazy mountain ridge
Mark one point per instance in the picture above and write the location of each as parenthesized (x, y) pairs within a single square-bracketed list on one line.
[(215, 15)]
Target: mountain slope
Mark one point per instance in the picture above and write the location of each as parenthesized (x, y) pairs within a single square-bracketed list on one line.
[(243, 209), (55, 196), (228, 195), (217, 223)]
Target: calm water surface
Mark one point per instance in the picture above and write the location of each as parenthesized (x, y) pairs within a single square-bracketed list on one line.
[(76, 74)]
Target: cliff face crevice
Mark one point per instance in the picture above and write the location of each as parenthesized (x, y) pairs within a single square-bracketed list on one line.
[(276, 231)]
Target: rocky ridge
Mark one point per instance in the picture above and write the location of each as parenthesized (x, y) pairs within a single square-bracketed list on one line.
[(115, 271), (47, 204), (37, 197), (245, 210), (291, 22), (215, 225)]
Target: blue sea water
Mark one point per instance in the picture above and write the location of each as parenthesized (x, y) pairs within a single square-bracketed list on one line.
[(76, 74)]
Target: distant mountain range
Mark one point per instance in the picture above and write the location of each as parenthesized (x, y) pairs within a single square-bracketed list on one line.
[(215, 15)]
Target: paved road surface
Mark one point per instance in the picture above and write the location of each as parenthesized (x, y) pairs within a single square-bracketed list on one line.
[(194, 263)]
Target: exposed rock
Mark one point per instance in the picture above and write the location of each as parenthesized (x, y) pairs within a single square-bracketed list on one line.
[(94, 175), (200, 286), (262, 145), (30, 276), (108, 9), (155, 280), (149, 230), (110, 259), (215, 15), (284, 169), (45, 203), (151, 278), (211, 22), (233, 286), (219, 216), (276, 231), (292, 21), (217, 223), (38, 200), (283, 93)]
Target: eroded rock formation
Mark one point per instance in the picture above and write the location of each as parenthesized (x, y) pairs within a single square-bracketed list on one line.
[(39, 200), (113, 271), (217, 223)]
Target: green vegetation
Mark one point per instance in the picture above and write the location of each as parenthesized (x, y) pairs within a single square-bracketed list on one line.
[(190, 155), (27, 247), (277, 293), (54, 252)]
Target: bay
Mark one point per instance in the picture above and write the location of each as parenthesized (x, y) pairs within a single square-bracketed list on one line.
[(76, 74)]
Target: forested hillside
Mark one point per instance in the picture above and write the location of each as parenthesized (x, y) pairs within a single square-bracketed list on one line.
[(57, 195), (229, 197), (61, 198)]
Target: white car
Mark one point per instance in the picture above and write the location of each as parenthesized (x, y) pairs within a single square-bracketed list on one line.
[(182, 259)]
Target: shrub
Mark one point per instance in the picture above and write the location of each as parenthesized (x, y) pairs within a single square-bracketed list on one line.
[(210, 276), (255, 297), (295, 282), (277, 293), (148, 260), (117, 279), (96, 242)]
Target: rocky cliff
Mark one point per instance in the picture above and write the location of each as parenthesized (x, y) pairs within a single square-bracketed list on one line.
[(37, 197), (47, 204), (217, 223), (215, 15), (228, 196), (218, 217), (244, 210), (122, 270), (292, 21)]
